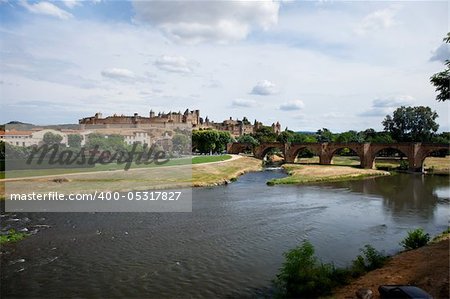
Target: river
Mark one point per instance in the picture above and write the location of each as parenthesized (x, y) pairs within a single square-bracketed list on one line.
[(231, 245)]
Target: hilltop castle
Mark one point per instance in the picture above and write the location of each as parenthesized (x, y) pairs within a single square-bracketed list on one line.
[(172, 120), (188, 117)]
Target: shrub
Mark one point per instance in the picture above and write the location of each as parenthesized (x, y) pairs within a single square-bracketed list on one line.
[(12, 236), (415, 239), (404, 165), (303, 275), (370, 259)]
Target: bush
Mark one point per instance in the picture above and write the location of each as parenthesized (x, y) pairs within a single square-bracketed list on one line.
[(12, 236), (370, 259), (303, 275), (415, 239), (404, 165)]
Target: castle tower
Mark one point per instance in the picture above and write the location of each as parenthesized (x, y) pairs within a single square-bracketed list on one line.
[(152, 113)]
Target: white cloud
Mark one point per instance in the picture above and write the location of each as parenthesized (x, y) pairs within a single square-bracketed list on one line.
[(264, 88), (380, 19), (244, 103), (198, 21), (393, 101), (441, 54), (175, 64), (46, 8), (384, 106), (292, 105), (72, 3), (119, 74)]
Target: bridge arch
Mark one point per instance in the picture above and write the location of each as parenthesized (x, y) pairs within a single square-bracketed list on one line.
[(267, 150), (300, 149), (263, 149), (331, 149), (358, 153), (438, 152), (404, 150), (293, 149)]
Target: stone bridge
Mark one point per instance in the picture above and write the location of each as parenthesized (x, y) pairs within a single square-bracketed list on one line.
[(415, 152)]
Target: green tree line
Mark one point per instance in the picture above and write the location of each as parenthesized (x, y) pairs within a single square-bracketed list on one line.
[(406, 124)]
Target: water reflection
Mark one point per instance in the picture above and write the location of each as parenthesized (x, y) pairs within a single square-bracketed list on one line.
[(404, 194)]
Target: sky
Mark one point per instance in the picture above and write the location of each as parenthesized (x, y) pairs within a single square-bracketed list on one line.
[(309, 65)]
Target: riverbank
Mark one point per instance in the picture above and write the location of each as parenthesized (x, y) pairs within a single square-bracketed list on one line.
[(426, 267), (300, 174), (179, 176), (214, 174)]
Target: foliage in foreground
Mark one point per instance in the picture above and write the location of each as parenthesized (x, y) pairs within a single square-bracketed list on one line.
[(370, 259), (415, 239), (12, 236), (441, 80), (303, 275)]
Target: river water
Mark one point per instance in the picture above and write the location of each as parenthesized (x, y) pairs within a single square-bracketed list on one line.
[(231, 245)]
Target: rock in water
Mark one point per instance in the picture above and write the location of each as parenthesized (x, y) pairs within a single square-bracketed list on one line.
[(364, 293)]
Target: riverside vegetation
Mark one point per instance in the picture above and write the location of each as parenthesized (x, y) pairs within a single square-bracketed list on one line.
[(302, 275), (12, 236)]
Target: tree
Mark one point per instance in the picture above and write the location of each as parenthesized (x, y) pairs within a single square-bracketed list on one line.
[(441, 80), (265, 134), (2, 151), (349, 136), (74, 140), (285, 136), (205, 140), (444, 137), (324, 135), (411, 124), (112, 142), (181, 143), (222, 141), (246, 138), (51, 139)]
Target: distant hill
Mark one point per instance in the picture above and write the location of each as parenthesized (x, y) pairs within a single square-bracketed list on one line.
[(17, 125), (306, 132)]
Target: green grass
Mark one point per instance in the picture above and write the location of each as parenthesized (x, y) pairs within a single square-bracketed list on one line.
[(296, 180), (110, 167), (442, 236), (208, 159), (12, 236), (301, 174)]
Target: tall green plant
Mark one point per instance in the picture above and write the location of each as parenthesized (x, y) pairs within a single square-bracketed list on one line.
[(303, 275), (416, 238), (369, 260)]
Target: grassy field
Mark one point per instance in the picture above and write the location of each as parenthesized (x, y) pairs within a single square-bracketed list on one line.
[(434, 165), (175, 176), (111, 167), (208, 159), (300, 174)]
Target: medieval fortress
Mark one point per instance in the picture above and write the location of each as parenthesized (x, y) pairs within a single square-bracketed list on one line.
[(152, 129)]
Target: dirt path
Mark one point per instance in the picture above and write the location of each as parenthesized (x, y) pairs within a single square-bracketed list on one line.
[(426, 267)]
